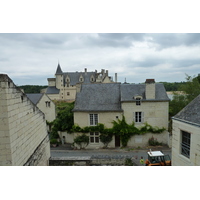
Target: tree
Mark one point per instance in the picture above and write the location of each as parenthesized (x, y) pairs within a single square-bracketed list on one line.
[(64, 120), (190, 90)]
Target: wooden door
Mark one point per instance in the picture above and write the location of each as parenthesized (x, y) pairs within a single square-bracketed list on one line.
[(117, 141)]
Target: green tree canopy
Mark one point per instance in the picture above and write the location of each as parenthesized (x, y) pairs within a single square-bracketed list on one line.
[(190, 90)]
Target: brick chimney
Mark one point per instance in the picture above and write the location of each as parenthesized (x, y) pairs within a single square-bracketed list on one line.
[(150, 91)]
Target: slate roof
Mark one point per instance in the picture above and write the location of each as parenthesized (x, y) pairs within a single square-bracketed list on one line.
[(52, 90), (191, 113), (129, 91), (59, 71), (108, 96), (98, 97), (74, 77), (35, 98)]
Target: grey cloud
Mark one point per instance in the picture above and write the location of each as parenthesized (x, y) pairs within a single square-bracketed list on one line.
[(167, 40)]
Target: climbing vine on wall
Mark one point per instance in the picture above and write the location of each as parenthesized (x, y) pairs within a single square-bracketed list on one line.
[(120, 128)]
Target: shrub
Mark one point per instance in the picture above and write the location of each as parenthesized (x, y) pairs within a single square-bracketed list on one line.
[(153, 142), (82, 141)]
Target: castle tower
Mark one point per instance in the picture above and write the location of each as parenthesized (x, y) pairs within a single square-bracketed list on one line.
[(59, 77)]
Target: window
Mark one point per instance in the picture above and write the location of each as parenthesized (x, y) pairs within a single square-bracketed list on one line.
[(93, 119), (185, 145), (139, 117), (94, 137), (48, 103), (138, 101), (68, 93)]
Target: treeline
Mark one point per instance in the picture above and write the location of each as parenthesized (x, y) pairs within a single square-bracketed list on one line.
[(32, 88), (176, 86)]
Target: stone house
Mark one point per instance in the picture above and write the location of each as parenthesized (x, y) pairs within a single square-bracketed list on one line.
[(139, 103), (45, 104), (186, 135), (23, 135), (63, 86)]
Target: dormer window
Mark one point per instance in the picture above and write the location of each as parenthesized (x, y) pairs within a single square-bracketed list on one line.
[(138, 101), (92, 79), (81, 79)]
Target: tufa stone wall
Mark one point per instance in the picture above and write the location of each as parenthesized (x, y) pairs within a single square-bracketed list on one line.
[(23, 134)]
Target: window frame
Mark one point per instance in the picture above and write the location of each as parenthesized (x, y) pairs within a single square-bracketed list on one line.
[(138, 117), (94, 137), (185, 146), (93, 119), (138, 101)]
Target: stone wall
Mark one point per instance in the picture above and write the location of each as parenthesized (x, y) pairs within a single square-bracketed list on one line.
[(177, 158), (23, 134), (134, 142), (155, 113)]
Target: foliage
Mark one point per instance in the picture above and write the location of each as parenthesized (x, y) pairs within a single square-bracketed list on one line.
[(64, 120), (106, 137), (173, 86), (128, 162), (53, 141), (82, 140), (32, 88), (153, 142), (190, 90)]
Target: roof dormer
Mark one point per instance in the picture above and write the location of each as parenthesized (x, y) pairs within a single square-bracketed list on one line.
[(81, 79)]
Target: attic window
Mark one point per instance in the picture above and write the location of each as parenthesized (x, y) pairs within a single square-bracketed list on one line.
[(138, 101)]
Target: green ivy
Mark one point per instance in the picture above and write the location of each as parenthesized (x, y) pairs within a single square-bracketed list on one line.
[(120, 128), (82, 140)]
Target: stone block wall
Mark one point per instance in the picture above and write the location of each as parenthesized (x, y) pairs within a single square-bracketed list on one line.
[(177, 158), (22, 127)]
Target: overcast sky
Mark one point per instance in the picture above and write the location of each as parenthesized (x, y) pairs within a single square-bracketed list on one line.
[(32, 58)]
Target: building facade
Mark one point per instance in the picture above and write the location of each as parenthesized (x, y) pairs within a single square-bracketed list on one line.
[(23, 135), (64, 85), (45, 104), (139, 103), (186, 135)]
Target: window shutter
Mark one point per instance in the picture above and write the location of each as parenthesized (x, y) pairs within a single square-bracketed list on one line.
[(133, 116), (142, 117)]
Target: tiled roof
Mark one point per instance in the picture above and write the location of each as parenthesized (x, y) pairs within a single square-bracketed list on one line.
[(108, 96), (191, 113), (52, 90), (129, 91), (35, 98), (98, 97), (74, 77)]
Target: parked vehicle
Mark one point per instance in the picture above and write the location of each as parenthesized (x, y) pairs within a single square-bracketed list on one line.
[(157, 158)]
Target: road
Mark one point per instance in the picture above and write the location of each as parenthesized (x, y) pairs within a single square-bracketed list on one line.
[(102, 153)]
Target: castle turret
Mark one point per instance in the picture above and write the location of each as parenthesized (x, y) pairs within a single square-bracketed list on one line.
[(59, 77)]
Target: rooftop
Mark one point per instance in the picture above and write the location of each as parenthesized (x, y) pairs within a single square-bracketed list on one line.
[(191, 113)]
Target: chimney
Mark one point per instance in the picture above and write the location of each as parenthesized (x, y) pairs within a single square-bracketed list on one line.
[(107, 72), (85, 71), (115, 77), (150, 90)]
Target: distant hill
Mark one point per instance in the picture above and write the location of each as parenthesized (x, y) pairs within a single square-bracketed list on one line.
[(32, 88)]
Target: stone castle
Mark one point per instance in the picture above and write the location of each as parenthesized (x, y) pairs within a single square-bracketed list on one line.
[(65, 84)]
